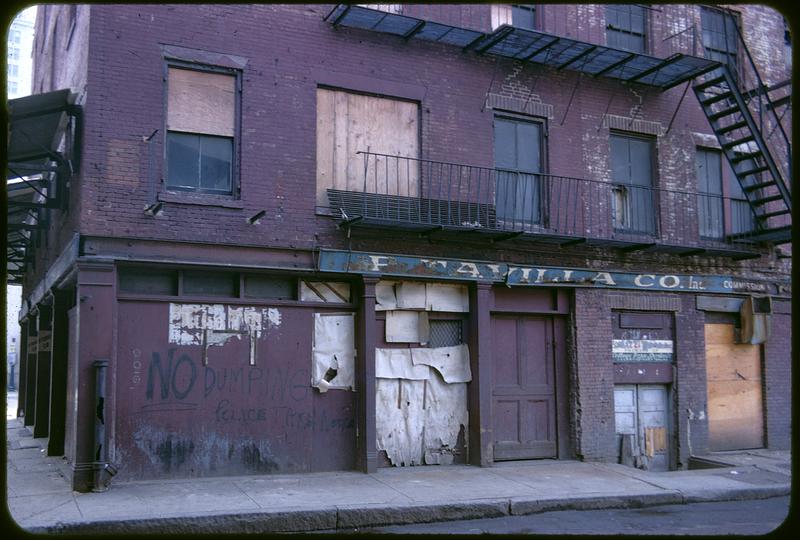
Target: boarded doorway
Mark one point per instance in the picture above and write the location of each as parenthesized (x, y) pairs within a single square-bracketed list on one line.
[(642, 425), (735, 402), (526, 369)]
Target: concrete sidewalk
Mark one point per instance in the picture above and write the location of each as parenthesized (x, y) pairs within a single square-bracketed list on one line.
[(40, 499)]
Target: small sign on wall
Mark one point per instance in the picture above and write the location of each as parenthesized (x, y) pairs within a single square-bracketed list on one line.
[(642, 350)]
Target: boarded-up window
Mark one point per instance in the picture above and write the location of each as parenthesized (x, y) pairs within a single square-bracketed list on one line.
[(201, 112), (348, 123)]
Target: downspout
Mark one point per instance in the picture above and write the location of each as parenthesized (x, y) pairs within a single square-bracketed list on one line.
[(103, 470)]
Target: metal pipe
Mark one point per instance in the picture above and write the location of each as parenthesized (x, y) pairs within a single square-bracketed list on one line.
[(103, 470)]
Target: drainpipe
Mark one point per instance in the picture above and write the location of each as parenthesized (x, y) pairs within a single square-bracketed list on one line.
[(103, 470)]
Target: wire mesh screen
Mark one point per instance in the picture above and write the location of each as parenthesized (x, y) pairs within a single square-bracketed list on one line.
[(445, 333)]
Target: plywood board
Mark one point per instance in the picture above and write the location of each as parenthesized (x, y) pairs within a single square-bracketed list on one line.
[(735, 399), (349, 123), (385, 298), (201, 102), (402, 326), (447, 297)]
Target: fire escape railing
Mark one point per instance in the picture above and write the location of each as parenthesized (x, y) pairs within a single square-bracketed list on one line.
[(427, 194)]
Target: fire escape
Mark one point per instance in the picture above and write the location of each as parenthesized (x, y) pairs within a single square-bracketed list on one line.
[(739, 116), (39, 166)]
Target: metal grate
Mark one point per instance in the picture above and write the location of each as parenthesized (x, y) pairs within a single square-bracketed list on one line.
[(445, 333)]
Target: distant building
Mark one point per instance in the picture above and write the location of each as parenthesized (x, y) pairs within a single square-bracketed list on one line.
[(19, 76), (20, 45), (296, 238)]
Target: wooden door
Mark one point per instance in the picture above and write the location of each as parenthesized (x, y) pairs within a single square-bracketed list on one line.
[(735, 403), (523, 388), (642, 411)]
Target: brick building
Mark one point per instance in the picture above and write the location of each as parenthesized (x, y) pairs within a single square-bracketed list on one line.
[(267, 238)]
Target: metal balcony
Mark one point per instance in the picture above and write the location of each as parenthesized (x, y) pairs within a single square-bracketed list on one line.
[(557, 51), (435, 197)]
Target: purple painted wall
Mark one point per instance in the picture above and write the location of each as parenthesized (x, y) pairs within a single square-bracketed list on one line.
[(176, 417)]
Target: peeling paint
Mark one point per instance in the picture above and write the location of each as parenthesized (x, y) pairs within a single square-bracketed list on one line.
[(189, 322)]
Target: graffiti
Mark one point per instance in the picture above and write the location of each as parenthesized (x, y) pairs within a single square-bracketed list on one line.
[(176, 377), (168, 375), (275, 383), (137, 367), (281, 417)]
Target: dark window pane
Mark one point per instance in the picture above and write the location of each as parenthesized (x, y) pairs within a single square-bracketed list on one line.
[(256, 286), (215, 163), (528, 147), (142, 281), (620, 160), (211, 283), (183, 160), (505, 153), (641, 163)]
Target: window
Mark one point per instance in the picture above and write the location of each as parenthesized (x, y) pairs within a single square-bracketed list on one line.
[(633, 200), (517, 15), (445, 333), (211, 283), (787, 45), (201, 127), (523, 16), (12, 88), (720, 36), (518, 160), (263, 286), (143, 281), (625, 27), (348, 123), (13, 53), (722, 205), (13, 70), (15, 37)]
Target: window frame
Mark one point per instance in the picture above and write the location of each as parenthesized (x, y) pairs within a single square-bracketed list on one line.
[(542, 184), (235, 191), (629, 30), (624, 187), (710, 11), (531, 8), (727, 178)]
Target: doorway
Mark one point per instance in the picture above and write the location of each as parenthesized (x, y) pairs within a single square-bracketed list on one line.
[(528, 366)]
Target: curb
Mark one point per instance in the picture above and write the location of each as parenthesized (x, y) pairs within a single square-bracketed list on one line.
[(521, 507), (343, 518)]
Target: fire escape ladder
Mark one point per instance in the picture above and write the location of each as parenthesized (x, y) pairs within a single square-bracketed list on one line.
[(746, 150)]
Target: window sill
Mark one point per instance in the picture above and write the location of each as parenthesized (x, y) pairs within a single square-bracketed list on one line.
[(200, 200)]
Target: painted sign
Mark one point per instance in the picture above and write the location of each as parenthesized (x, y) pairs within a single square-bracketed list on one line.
[(641, 350), (380, 264)]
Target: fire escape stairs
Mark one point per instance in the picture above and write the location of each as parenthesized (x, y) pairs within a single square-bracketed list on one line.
[(747, 152)]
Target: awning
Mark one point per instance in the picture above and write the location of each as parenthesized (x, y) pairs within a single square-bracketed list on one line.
[(36, 171)]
